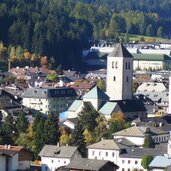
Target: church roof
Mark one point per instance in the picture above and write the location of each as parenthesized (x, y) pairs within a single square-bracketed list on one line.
[(120, 51), (96, 93), (108, 108)]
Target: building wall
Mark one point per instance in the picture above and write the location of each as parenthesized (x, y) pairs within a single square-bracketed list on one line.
[(46, 106), (22, 165), (13, 163), (128, 164), (119, 78), (146, 65), (2, 163), (111, 155), (51, 164)]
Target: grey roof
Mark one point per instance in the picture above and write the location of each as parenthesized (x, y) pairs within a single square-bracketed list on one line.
[(75, 105), (88, 164), (140, 131), (123, 143), (58, 152), (137, 152), (105, 144), (96, 93), (108, 108), (160, 162), (120, 51), (49, 92)]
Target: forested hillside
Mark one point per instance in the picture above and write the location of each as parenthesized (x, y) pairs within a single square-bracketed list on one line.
[(60, 29)]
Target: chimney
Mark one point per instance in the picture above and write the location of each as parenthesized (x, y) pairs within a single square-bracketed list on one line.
[(9, 146)]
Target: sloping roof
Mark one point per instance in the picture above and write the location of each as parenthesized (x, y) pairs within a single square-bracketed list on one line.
[(120, 51), (89, 164), (140, 131), (9, 150), (160, 162), (105, 144), (75, 105), (58, 152), (151, 57), (132, 131), (96, 93), (107, 108), (136, 152)]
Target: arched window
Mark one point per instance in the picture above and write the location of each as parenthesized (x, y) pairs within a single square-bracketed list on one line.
[(114, 78)]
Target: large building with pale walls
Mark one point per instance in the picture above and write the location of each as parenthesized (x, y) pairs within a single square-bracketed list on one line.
[(119, 74), (49, 100)]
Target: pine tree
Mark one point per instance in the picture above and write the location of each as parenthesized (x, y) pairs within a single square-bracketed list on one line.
[(51, 130), (22, 123), (78, 139)]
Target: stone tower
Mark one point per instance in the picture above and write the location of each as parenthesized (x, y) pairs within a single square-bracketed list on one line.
[(119, 73)]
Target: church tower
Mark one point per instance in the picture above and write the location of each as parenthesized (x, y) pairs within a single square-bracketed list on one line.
[(119, 73)]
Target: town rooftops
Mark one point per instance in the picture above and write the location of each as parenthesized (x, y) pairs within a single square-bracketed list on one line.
[(120, 51), (136, 152), (160, 162), (58, 152), (89, 164), (8, 150), (75, 105), (49, 92), (96, 93), (104, 144), (136, 131)]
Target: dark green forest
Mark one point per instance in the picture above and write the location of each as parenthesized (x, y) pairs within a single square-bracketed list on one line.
[(61, 29)]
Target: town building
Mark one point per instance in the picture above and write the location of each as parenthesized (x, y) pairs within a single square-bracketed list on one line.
[(14, 158), (53, 156), (48, 100)]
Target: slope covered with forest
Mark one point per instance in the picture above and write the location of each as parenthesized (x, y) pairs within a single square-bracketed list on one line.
[(60, 29)]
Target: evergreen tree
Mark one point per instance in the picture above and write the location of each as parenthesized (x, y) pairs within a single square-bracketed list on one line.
[(160, 32), (146, 160), (148, 142), (78, 139), (51, 130), (149, 30), (22, 123), (88, 117), (38, 138), (37, 119)]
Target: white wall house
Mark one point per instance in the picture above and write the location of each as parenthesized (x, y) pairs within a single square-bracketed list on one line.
[(53, 157), (47, 100)]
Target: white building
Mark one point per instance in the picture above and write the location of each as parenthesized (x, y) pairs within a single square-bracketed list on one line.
[(53, 157), (119, 74), (47, 100)]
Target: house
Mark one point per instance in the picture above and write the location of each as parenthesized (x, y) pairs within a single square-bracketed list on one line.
[(151, 61), (53, 156), (91, 165), (47, 100), (137, 134), (121, 152), (14, 158)]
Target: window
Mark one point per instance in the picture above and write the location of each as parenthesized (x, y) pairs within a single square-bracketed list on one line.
[(52, 161), (116, 65), (129, 161), (136, 162), (106, 153), (114, 78), (128, 169), (123, 161), (46, 168), (112, 64), (93, 153), (126, 65), (64, 162), (113, 154), (123, 169), (99, 153), (127, 79)]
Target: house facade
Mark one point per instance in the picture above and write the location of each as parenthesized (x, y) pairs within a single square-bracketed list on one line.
[(53, 156), (47, 100)]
